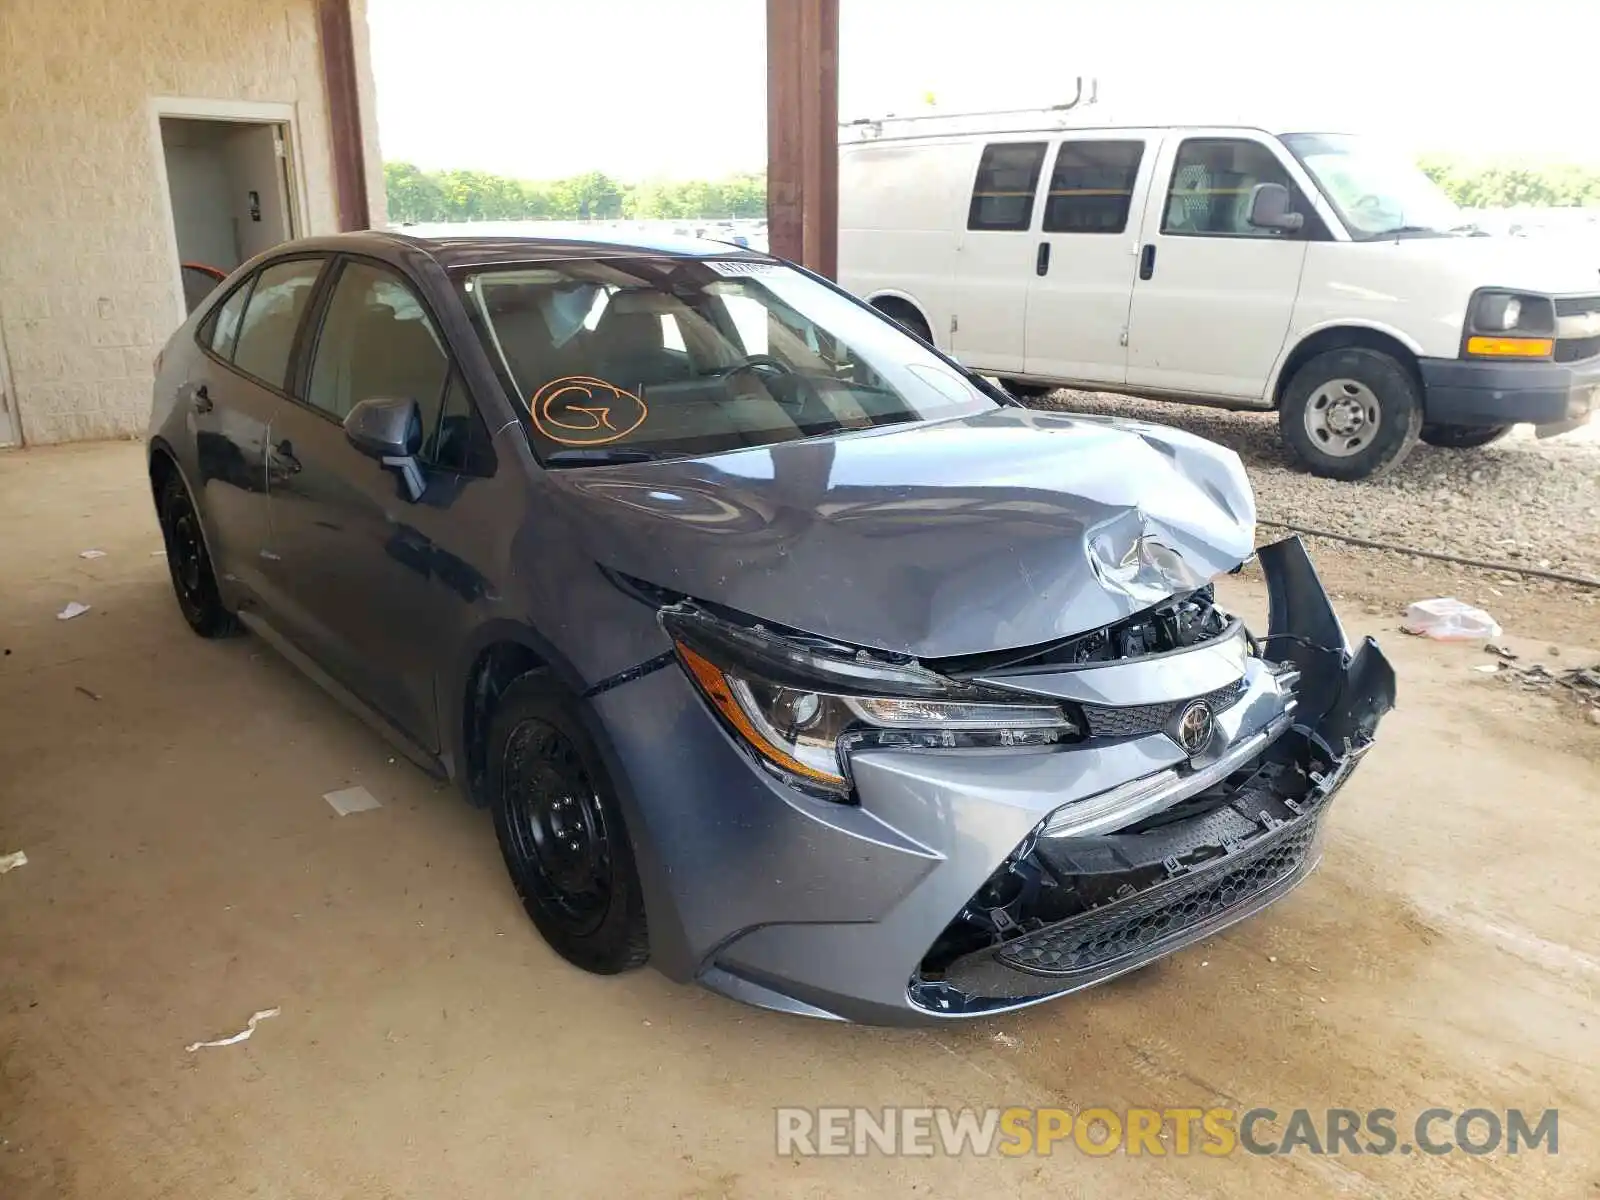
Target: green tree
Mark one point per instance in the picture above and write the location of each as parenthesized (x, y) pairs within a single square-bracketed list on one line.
[(461, 195)]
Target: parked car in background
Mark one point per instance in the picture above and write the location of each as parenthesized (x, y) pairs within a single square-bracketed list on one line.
[(787, 654), (1304, 272)]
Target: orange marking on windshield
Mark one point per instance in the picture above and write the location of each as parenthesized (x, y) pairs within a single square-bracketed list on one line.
[(578, 410)]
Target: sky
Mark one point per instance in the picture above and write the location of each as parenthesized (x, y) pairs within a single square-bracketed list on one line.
[(676, 88)]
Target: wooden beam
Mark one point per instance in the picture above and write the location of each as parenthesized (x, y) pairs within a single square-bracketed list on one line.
[(803, 132), (344, 114)]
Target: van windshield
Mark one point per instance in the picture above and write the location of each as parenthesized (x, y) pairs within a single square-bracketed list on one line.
[(626, 359), (1378, 193)]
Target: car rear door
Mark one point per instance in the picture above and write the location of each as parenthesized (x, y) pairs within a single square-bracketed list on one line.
[(378, 584), (1213, 294), (233, 391), (995, 261), (1087, 249)]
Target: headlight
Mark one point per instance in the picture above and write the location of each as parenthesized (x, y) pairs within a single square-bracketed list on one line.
[(1510, 325), (801, 709)]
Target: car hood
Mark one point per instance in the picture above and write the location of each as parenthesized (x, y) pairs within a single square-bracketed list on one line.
[(1002, 530), (1547, 266)]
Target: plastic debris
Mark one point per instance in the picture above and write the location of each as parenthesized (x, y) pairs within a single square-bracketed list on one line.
[(1502, 651), (242, 1036), (1448, 619), (351, 800), (1488, 668), (91, 553), (9, 862), (73, 609), (80, 688)]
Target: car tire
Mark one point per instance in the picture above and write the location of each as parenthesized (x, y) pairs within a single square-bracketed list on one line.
[(905, 316), (561, 832), (1026, 391), (194, 581), (1352, 413), (1463, 437)]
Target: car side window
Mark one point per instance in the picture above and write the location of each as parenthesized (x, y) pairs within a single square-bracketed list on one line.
[(272, 318), (1002, 193), (222, 326), (1211, 184), (1091, 187), (377, 342), (459, 440)]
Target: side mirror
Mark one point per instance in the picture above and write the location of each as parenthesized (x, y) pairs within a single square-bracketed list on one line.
[(1270, 208), (391, 432)]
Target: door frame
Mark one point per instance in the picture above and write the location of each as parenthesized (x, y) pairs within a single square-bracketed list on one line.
[(237, 112), (10, 414)]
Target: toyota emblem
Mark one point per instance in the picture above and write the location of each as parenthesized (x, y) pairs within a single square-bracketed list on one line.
[(1195, 726)]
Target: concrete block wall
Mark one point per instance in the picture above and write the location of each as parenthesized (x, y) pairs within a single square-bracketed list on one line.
[(87, 286)]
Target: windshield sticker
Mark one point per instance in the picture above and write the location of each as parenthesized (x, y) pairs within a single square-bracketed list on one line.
[(580, 410), (740, 266)]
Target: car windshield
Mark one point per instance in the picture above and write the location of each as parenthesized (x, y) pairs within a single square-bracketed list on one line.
[(1378, 193), (624, 359)]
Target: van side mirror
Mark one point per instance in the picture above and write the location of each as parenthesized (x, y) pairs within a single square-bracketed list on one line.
[(1270, 208), (391, 432)]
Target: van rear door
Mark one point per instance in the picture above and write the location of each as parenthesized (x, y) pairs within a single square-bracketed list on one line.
[(1213, 294), (1086, 251), (996, 258)]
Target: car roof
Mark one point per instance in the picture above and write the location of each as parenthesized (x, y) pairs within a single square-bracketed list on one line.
[(478, 250)]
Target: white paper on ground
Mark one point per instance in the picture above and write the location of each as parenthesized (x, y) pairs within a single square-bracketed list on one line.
[(91, 553), (242, 1036), (10, 861), (73, 609), (351, 800)]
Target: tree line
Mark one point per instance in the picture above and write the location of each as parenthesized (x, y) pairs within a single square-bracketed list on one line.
[(416, 195), (419, 196)]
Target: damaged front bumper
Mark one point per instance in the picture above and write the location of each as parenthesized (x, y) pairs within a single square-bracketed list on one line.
[(971, 881)]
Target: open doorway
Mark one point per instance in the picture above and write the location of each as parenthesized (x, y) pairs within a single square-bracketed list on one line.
[(231, 195)]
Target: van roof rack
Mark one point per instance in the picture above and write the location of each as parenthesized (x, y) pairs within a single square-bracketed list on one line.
[(872, 127)]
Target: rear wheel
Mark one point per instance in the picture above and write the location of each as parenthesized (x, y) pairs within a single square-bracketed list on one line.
[(561, 832), (1026, 391), (188, 561), (1353, 413), (1463, 437), (904, 315)]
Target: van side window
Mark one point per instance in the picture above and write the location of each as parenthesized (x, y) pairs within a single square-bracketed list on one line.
[(1092, 187), (1211, 184), (1002, 195)]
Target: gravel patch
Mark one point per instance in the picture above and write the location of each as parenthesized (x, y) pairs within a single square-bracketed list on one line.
[(1519, 502)]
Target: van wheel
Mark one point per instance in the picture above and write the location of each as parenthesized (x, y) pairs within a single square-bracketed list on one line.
[(1353, 413), (1026, 391), (1463, 437), (905, 316), (560, 830)]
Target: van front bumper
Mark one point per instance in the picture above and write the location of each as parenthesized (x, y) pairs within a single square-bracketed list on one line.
[(1554, 396)]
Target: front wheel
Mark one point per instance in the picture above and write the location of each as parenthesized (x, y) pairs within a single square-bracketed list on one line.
[(1026, 391), (1463, 437), (1351, 414), (561, 832)]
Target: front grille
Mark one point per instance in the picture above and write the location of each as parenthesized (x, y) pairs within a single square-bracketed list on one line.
[(1133, 927), (1136, 720), (1575, 349)]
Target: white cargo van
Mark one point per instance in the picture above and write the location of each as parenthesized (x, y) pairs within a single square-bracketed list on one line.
[(1305, 272)]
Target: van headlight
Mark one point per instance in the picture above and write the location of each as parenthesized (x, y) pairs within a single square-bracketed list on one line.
[(1510, 325), (801, 708)]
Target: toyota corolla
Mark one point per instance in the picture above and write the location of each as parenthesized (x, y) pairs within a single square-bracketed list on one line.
[(788, 655)]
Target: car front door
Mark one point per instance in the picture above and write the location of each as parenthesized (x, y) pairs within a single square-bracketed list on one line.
[(1213, 294), (1082, 282), (233, 392), (376, 581), (996, 258)]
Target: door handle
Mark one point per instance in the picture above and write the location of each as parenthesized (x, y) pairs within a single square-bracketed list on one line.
[(1041, 265), (283, 452), (1147, 260), (200, 399)]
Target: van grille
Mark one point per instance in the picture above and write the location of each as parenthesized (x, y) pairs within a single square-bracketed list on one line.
[(1575, 349)]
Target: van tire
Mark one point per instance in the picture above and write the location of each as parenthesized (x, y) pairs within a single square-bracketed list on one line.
[(906, 316), (1463, 437), (1026, 391), (1340, 393)]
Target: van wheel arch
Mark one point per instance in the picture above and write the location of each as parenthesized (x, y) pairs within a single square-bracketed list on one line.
[(906, 314), (1344, 337)]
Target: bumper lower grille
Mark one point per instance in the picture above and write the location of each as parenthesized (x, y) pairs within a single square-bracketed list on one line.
[(1134, 927), (1136, 720)]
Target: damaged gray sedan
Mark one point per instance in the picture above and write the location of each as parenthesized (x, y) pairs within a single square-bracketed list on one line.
[(788, 655)]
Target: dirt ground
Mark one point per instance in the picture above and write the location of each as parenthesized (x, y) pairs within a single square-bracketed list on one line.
[(183, 871)]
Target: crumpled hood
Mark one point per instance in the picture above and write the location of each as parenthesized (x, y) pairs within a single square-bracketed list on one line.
[(990, 532)]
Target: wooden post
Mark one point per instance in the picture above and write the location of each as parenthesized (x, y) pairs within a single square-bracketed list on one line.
[(803, 132), (344, 114)]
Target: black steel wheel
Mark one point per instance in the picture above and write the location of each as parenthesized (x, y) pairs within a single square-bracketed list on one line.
[(189, 563), (561, 831)]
